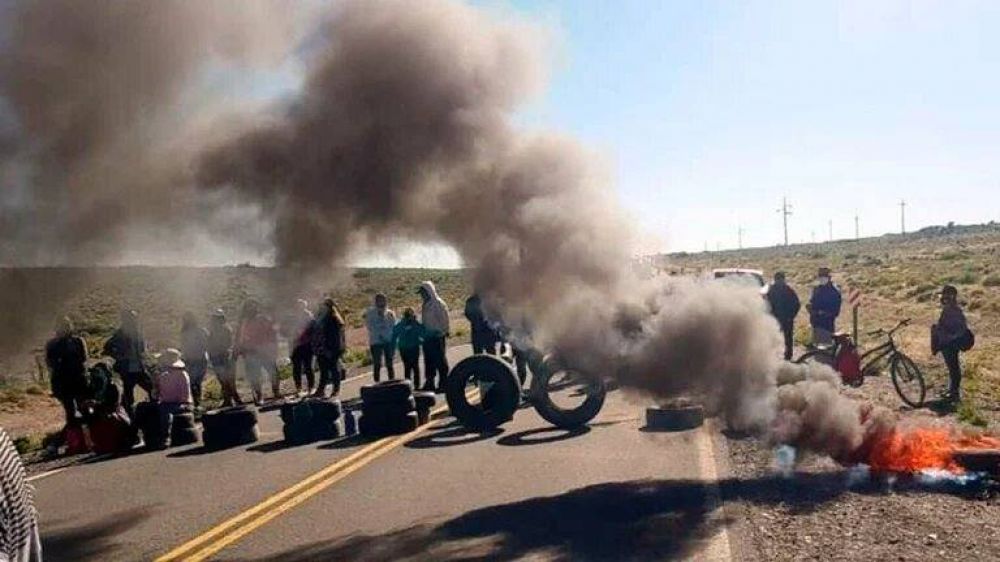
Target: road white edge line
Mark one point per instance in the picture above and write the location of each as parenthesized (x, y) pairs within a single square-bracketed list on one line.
[(718, 547)]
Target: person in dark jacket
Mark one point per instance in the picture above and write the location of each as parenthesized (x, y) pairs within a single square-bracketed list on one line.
[(302, 328), (408, 335), (128, 349), (220, 355), (824, 307), (66, 356), (194, 347), (785, 307), (484, 335), (947, 336), (329, 344)]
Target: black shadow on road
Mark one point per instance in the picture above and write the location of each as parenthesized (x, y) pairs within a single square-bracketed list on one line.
[(451, 436), (541, 435), (95, 541), (640, 519)]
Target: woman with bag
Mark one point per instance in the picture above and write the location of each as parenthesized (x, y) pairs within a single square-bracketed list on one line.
[(951, 336)]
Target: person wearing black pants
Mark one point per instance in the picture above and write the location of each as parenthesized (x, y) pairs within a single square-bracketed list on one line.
[(785, 306), (949, 336), (435, 362), (328, 344), (436, 322), (302, 367), (66, 356)]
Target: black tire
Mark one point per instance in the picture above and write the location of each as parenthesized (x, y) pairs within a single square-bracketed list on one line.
[(180, 436), (499, 403), (423, 415), (328, 409), (297, 433), (228, 427), (387, 391), (287, 409), (389, 409), (425, 400), (675, 418), (327, 430), (908, 380), (147, 420), (182, 420), (552, 413), (377, 427)]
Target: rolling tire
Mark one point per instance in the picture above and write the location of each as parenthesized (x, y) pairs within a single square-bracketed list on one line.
[(675, 418), (500, 402), (328, 409), (180, 436), (425, 400), (552, 413), (387, 391)]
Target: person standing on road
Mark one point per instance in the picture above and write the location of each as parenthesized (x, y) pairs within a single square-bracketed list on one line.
[(194, 347), (329, 344), (380, 320), (128, 349), (951, 336), (824, 307), (66, 357), (19, 537), (302, 352), (257, 342), (220, 355), (484, 335), (408, 334), (437, 324), (785, 307)]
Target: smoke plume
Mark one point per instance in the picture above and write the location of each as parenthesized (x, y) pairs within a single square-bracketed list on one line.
[(403, 127)]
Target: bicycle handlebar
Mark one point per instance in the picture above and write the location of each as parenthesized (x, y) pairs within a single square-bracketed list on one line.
[(881, 331)]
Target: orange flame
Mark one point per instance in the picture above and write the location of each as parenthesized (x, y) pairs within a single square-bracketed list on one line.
[(913, 450)]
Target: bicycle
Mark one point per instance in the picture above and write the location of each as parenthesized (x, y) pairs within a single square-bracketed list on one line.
[(843, 357)]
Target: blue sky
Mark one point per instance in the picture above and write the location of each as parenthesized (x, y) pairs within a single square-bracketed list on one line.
[(710, 112)]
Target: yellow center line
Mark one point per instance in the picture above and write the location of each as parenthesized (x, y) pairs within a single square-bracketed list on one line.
[(235, 528)]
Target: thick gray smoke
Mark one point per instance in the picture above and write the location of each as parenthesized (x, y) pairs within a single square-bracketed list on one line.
[(403, 128)]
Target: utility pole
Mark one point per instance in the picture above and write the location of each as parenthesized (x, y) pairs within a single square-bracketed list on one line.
[(902, 215), (829, 224), (739, 237), (857, 229), (785, 211)]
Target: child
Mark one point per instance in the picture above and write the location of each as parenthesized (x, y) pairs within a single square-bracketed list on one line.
[(408, 335)]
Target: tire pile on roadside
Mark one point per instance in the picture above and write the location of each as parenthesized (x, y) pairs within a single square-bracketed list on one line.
[(230, 427), (392, 408), (312, 419)]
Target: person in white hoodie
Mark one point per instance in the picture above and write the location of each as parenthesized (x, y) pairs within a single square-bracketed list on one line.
[(434, 317)]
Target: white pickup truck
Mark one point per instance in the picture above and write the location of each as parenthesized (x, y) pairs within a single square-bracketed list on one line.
[(746, 277)]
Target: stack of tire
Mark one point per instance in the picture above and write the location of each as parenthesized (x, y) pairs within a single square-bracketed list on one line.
[(312, 419), (425, 402), (230, 427), (388, 408), (147, 420), (183, 430)]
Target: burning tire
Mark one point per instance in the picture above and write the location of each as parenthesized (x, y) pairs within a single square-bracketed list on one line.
[(675, 417), (499, 392), (550, 379)]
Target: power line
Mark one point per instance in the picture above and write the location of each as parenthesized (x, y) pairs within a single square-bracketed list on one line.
[(785, 211)]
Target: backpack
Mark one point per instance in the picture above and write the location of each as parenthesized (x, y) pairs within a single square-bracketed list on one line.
[(966, 341), (848, 364)]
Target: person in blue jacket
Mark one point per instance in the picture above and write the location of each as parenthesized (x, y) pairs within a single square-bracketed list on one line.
[(824, 307)]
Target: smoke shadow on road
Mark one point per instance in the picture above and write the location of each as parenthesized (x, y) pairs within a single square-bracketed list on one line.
[(647, 519), (93, 541), (640, 519), (541, 435)]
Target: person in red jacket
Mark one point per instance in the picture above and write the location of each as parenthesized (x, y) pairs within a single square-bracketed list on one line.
[(257, 343)]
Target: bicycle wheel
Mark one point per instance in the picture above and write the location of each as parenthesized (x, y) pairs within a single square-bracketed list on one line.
[(908, 380)]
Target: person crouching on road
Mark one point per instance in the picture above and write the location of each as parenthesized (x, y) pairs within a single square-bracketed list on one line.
[(66, 355), (220, 355), (173, 385), (257, 342), (824, 307), (329, 344), (785, 306), (194, 347), (380, 320), (408, 335), (437, 324), (950, 336)]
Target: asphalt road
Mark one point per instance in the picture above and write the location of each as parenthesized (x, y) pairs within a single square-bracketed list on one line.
[(611, 491)]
